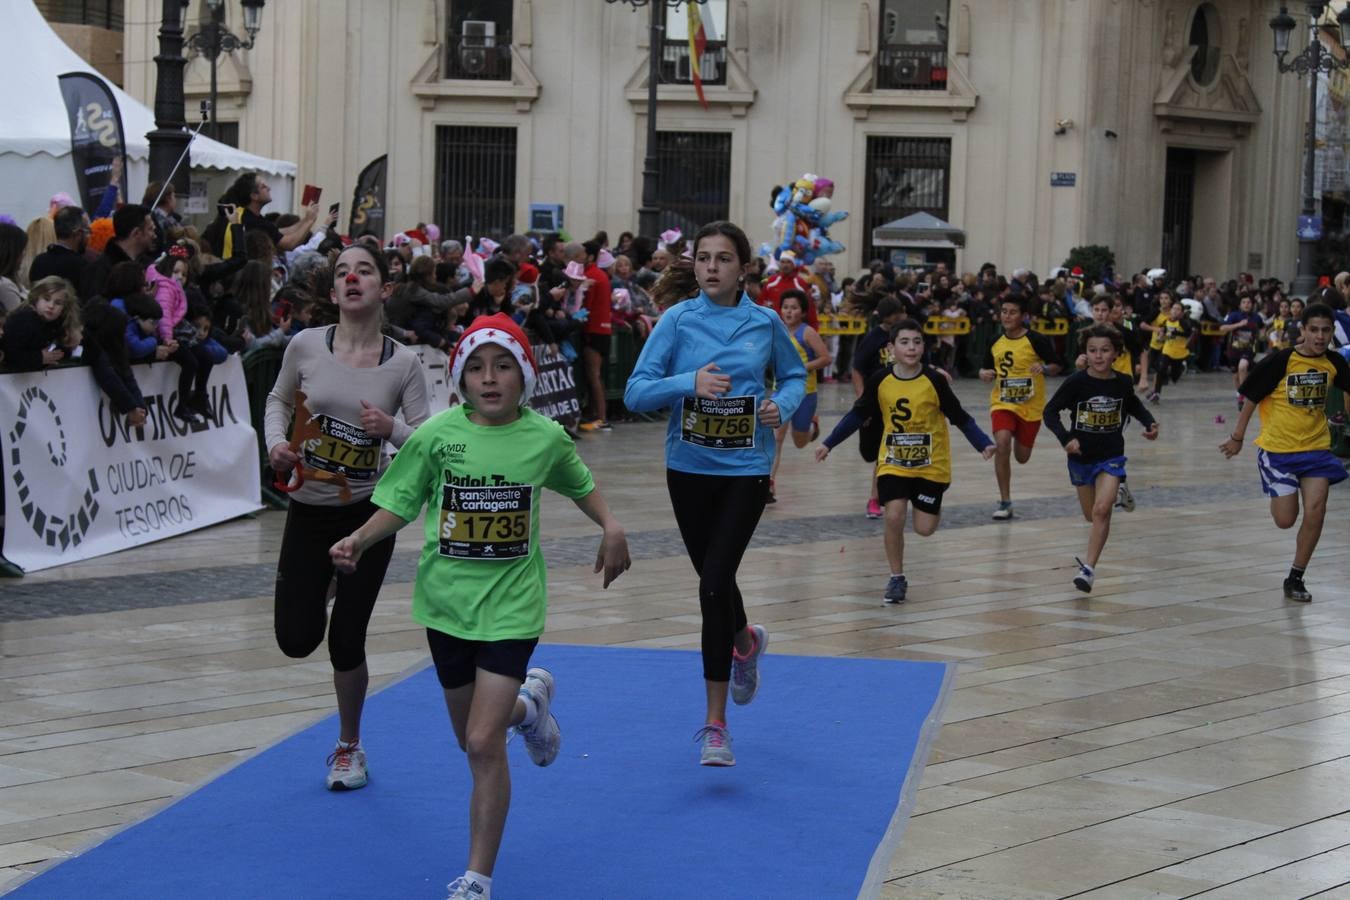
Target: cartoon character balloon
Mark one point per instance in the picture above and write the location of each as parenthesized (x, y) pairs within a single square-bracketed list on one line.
[(803, 219)]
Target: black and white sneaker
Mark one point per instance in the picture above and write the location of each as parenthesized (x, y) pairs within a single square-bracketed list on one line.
[(1083, 580), (1294, 589)]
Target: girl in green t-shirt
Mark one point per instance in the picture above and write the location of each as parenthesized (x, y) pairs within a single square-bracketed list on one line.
[(481, 585)]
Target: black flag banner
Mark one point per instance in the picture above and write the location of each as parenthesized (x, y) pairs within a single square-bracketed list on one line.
[(98, 145), (555, 390), (368, 203)]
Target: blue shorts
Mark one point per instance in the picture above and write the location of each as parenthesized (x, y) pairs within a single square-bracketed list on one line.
[(801, 419), (1281, 472), (1084, 474)]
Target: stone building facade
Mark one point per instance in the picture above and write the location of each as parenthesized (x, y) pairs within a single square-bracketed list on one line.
[(1159, 128)]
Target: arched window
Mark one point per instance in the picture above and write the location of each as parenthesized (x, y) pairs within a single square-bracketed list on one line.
[(1205, 36)]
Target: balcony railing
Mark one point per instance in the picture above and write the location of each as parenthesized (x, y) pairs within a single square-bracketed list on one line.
[(675, 68), (468, 59), (903, 67)]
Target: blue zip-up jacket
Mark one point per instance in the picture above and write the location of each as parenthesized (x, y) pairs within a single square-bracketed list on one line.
[(744, 341), (140, 347)]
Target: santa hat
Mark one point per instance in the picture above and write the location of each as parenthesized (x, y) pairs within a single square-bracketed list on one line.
[(499, 329), (528, 273)]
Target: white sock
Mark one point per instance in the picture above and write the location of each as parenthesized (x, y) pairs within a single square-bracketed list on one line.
[(354, 745), (531, 711), (897, 574), (484, 881)]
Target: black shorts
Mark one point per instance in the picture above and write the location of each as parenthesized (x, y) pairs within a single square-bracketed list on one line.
[(924, 495), (457, 659), (599, 343)]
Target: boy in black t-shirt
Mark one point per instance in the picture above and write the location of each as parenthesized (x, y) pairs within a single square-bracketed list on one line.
[(1099, 399)]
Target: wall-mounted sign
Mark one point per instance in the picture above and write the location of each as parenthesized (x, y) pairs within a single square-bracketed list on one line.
[(1063, 179), (1309, 228)]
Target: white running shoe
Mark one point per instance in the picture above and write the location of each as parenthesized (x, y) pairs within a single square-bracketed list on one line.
[(347, 769), (1124, 499), (745, 669), (1083, 580), (1004, 511), (544, 738), (464, 889)]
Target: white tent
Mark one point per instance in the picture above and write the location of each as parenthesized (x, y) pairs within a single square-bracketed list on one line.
[(35, 133)]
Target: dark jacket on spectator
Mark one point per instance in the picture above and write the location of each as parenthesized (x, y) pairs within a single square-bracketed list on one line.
[(106, 353), (26, 335), (97, 272), (59, 259)]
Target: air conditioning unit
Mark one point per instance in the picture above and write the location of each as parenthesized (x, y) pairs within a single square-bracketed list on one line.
[(909, 71), (478, 33), (546, 217), (478, 47), (708, 70)]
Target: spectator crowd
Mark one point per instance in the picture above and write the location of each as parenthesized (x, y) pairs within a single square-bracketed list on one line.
[(138, 285)]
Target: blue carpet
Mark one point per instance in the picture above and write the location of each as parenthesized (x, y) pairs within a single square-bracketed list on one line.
[(823, 757)]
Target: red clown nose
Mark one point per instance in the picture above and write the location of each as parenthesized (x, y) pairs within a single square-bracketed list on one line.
[(351, 278)]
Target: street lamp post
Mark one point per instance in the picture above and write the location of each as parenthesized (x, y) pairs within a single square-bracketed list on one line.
[(215, 39), (1310, 61), (169, 140), (649, 212)]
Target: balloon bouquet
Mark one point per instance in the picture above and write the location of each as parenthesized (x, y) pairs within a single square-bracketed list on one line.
[(804, 219)]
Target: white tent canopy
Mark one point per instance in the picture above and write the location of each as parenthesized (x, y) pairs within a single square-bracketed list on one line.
[(35, 132)]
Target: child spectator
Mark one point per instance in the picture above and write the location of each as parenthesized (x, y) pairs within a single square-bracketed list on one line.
[(195, 333), (253, 294), (126, 285), (105, 350), (45, 329)]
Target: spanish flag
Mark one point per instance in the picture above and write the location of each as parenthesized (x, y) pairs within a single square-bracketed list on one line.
[(698, 42)]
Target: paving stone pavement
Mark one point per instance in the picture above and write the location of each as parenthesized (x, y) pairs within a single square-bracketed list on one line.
[(206, 584)]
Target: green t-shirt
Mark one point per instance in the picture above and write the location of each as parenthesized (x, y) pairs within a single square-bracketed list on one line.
[(481, 576)]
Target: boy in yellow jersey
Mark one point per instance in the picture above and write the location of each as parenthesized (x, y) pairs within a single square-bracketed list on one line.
[(1136, 341), (1017, 364), (1156, 336), (903, 413), (1289, 387), (1175, 335)]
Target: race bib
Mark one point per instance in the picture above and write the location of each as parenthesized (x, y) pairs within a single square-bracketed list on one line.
[(1306, 389), (724, 423), (1014, 390), (1242, 340), (1098, 415), (486, 522), (343, 448), (909, 450)]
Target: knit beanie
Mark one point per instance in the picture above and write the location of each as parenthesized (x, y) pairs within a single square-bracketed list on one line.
[(502, 330)]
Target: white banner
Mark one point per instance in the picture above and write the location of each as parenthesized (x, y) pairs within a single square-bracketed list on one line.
[(79, 483), (435, 369)]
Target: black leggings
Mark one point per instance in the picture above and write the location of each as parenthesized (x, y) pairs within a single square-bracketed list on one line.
[(717, 515), (1169, 369), (303, 573), (194, 371)]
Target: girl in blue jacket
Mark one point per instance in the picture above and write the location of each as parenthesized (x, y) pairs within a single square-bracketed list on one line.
[(706, 360)]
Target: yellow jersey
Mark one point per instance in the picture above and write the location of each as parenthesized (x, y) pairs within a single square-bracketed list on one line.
[(1016, 388), (807, 354), (1290, 391), (1176, 338), (1155, 341), (904, 424)]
